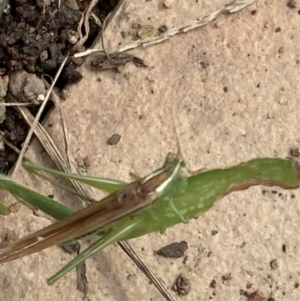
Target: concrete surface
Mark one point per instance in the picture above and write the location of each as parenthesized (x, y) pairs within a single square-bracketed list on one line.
[(244, 104)]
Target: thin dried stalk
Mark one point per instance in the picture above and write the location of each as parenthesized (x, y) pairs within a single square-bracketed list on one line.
[(15, 104), (36, 119), (85, 21), (233, 7)]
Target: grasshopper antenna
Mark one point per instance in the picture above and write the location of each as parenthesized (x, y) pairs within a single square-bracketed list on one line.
[(180, 155), (179, 150)]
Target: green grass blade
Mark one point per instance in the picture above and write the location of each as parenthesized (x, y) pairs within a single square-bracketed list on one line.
[(103, 184)]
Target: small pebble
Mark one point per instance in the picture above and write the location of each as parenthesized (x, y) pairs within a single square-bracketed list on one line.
[(162, 28), (291, 4), (173, 250), (182, 285), (114, 139), (227, 277), (274, 264), (213, 284)]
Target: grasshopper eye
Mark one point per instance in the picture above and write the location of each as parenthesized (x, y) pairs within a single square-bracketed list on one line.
[(126, 196)]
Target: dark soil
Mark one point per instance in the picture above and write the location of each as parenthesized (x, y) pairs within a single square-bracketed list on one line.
[(35, 36), (15, 130), (28, 31)]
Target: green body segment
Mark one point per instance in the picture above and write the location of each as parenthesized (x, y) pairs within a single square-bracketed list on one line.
[(204, 189)]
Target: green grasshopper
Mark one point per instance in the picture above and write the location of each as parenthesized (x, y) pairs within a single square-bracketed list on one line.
[(127, 200), (141, 203)]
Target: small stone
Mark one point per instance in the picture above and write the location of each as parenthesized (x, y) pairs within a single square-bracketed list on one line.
[(26, 87), (291, 4), (120, 68), (283, 248), (3, 87), (2, 71), (77, 60), (6, 9), (244, 293), (123, 34), (294, 152), (40, 98), (70, 75), (136, 25), (227, 277), (132, 33), (44, 56), (30, 65), (182, 285), (213, 284), (6, 79), (256, 296), (11, 237), (173, 250), (49, 65), (42, 3), (274, 264), (162, 28), (114, 139), (72, 36), (168, 3), (53, 49), (71, 4)]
